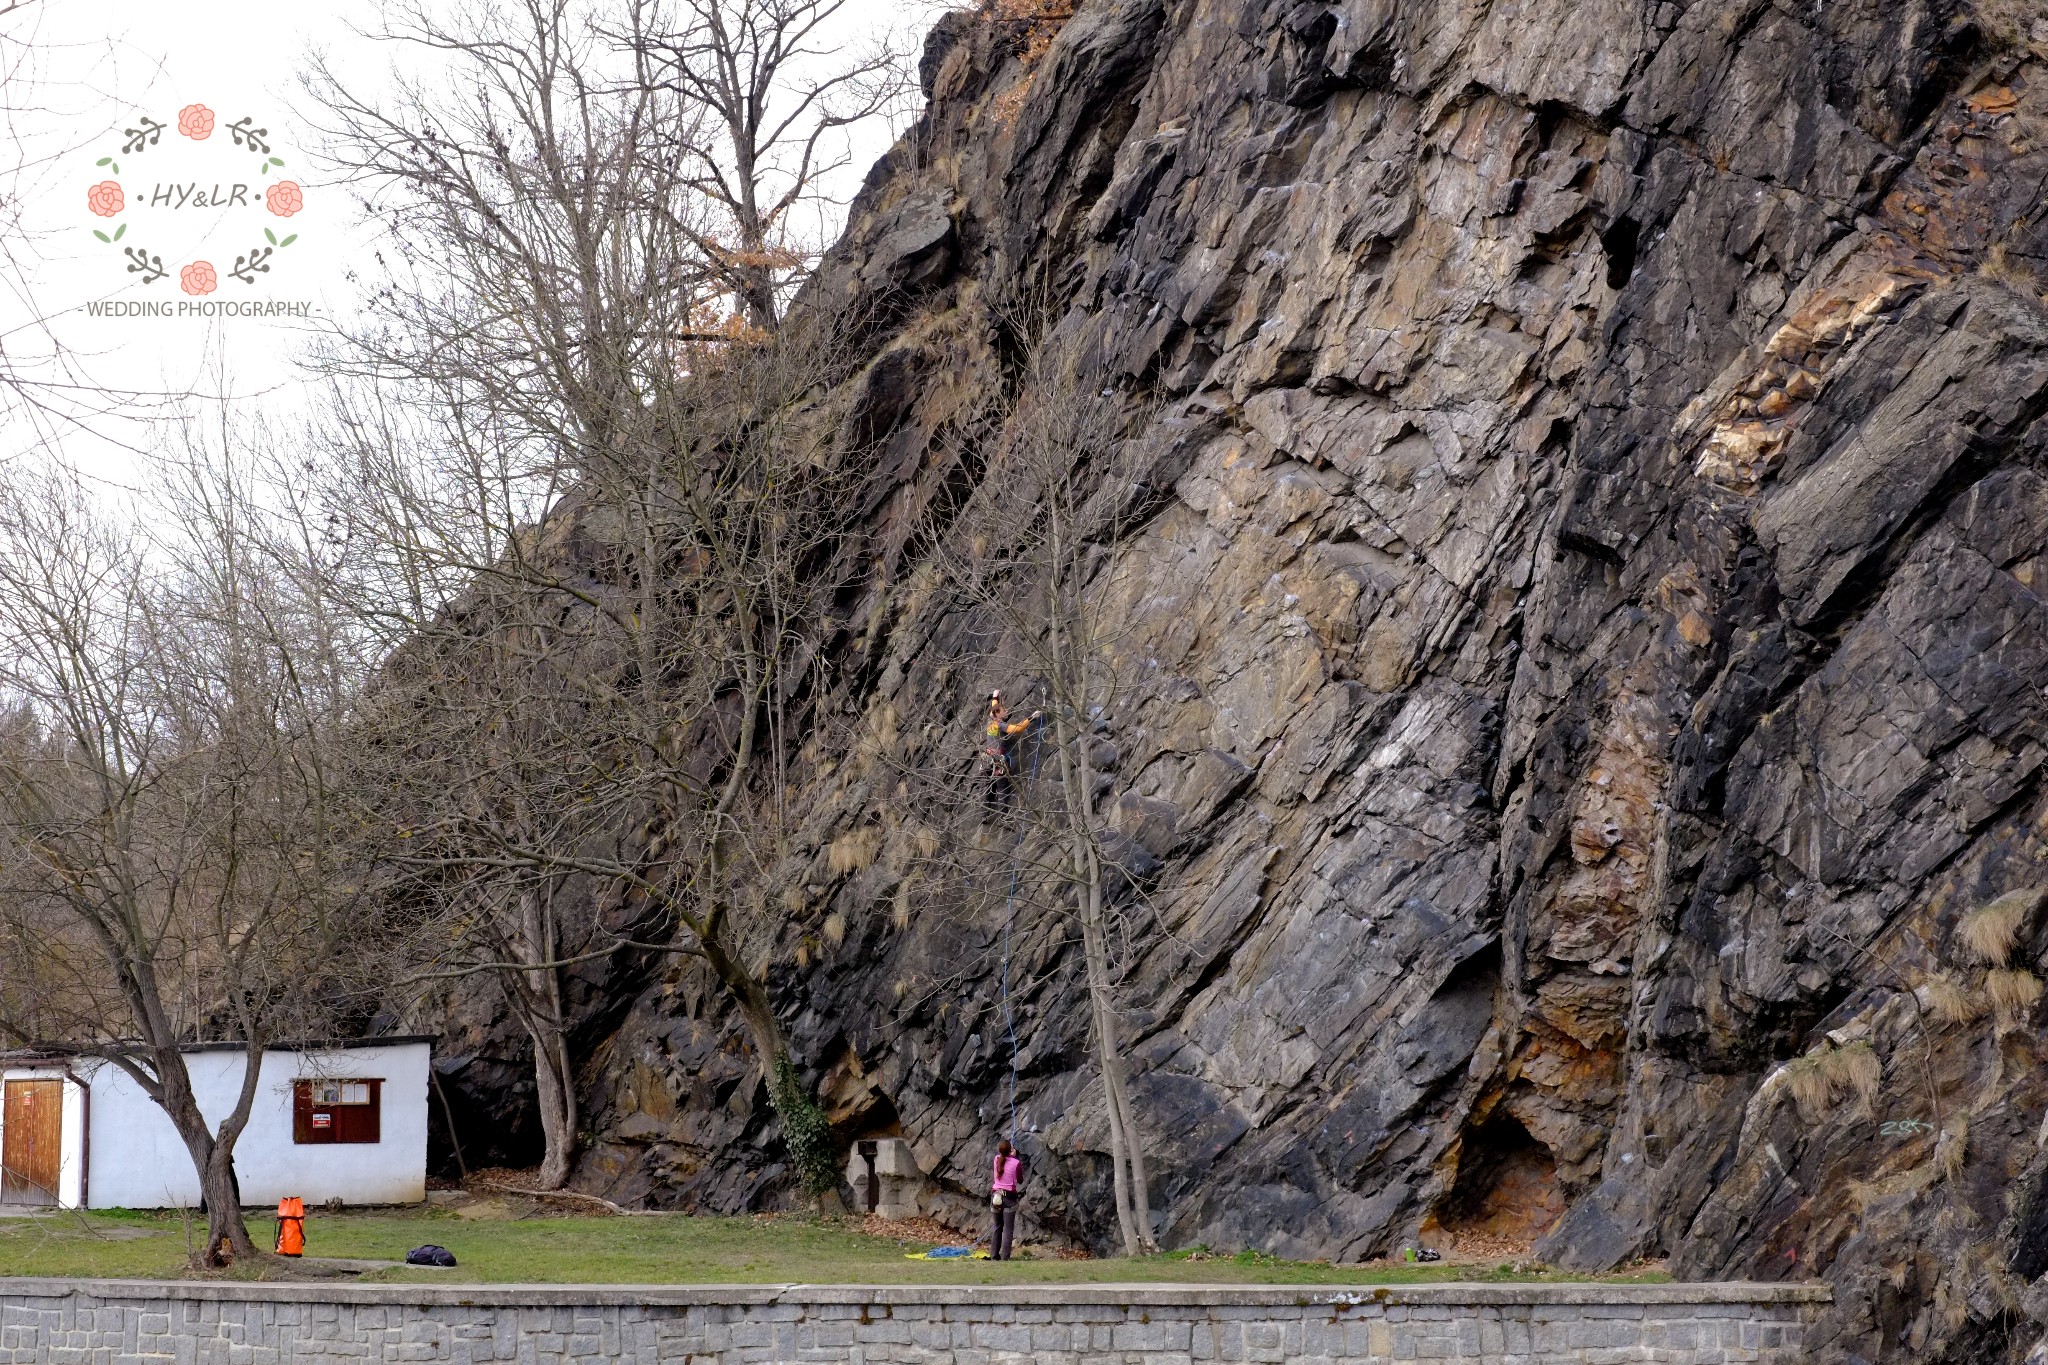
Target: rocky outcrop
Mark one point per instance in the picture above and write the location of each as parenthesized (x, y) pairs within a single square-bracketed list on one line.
[(1593, 630)]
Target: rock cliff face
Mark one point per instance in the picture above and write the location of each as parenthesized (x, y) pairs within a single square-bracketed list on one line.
[(1594, 628)]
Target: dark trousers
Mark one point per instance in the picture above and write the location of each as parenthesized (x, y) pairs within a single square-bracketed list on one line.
[(1005, 1229), (1002, 783)]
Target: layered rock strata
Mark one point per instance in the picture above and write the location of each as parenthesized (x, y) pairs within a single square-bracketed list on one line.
[(1592, 632)]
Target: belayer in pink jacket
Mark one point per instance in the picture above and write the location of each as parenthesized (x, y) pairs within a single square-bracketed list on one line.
[(1006, 1180)]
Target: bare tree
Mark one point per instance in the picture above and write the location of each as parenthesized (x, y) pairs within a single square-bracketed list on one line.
[(165, 830), (774, 83), (1030, 550), (587, 511), (53, 389), (457, 735), (603, 701)]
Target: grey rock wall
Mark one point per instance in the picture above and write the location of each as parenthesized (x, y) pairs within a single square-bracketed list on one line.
[(1592, 634)]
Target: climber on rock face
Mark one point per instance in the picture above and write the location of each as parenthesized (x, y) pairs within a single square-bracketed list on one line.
[(998, 750)]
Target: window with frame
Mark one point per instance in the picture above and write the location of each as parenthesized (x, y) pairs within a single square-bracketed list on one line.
[(327, 1111)]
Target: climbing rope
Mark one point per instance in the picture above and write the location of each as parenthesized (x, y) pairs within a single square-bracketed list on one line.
[(1009, 917), (1009, 1016)]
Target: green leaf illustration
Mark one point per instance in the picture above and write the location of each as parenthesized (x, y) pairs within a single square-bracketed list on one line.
[(104, 161), (289, 240), (270, 236), (119, 230), (101, 235)]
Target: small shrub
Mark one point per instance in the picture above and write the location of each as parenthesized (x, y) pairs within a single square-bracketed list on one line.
[(1032, 25), (1035, 23), (2013, 24), (805, 1130)]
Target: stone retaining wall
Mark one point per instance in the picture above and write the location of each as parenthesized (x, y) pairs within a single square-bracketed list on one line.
[(119, 1322)]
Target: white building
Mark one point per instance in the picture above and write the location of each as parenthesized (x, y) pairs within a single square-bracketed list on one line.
[(348, 1121)]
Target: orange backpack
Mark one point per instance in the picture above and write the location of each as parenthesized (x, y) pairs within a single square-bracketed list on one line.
[(291, 1226)]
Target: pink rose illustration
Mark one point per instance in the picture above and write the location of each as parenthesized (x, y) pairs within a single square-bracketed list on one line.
[(196, 122), (198, 278), (106, 198), (284, 198)]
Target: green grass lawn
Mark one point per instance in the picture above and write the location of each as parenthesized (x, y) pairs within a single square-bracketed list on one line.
[(672, 1249)]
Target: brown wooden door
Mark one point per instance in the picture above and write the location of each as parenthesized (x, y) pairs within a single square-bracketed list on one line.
[(31, 1142)]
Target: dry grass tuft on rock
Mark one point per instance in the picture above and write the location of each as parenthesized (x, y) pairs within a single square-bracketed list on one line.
[(2013, 24), (878, 739), (854, 851), (1861, 1072), (1821, 1080), (2013, 992), (1809, 1087), (1999, 265), (1991, 932), (1952, 1148), (1948, 1000)]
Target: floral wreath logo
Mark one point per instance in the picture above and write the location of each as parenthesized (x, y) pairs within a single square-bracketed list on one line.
[(281, 199)]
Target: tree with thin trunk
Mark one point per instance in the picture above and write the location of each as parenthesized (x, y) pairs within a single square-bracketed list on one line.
[(1029, 551), (166, 841)]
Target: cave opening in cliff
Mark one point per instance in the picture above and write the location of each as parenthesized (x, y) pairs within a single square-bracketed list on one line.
[(1506, 1185), (1620, 242)]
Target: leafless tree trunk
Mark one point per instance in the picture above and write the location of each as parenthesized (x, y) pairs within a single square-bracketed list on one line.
[(581, 511), (1026, 550), (164, 835), (546, 1024)]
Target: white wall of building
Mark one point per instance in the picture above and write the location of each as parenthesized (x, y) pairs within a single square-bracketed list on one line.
[(71, 1168), (138, 1161), (71, 1175)]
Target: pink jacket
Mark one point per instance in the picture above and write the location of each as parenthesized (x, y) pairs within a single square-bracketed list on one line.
[(1004, 1173)]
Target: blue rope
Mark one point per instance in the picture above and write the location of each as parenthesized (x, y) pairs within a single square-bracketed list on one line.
[(1009, 1016), (1009, 916)]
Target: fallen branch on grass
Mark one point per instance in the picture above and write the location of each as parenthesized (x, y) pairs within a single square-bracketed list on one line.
[(568, 1194)]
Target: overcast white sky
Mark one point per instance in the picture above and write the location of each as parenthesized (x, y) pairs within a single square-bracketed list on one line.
[(80, 73)]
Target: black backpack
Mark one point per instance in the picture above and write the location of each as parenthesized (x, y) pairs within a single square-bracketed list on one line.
[(430, 1255)]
